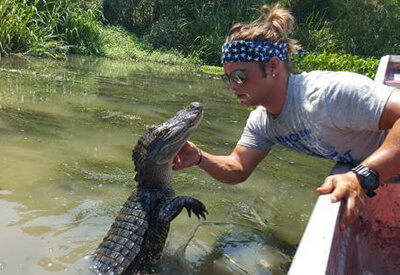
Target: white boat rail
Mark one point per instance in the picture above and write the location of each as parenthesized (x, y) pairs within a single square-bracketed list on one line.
[(323, 248)]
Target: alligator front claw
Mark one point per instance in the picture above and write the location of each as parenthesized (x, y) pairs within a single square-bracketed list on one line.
[(175, 207), (197, 207)]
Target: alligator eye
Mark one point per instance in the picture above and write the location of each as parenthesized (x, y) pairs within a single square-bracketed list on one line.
[(162, 133)]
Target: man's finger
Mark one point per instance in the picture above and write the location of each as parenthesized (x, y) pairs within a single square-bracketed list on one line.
[(340, 193), (349, 214), (354, 208), (326, 187), (177, 163)]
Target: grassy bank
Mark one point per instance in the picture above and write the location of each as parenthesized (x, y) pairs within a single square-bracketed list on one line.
[(338, 35)]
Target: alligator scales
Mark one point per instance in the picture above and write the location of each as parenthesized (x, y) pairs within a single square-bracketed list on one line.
[(137, 237)]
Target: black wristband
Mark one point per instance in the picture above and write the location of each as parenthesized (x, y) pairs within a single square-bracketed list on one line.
[(368, 179), (201, 157)]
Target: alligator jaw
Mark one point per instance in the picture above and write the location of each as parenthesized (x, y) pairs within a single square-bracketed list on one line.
[(177, 130), (156, 149)]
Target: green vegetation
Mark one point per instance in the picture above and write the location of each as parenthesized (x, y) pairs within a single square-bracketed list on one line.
[(54, 28), (48, 27), (357, 27), (337, 34), (323, 61), (336, 62)]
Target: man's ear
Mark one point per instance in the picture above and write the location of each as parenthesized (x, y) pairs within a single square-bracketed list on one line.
[(274, 66)]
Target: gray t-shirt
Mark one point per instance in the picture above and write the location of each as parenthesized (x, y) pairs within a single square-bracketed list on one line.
[(333, 115)]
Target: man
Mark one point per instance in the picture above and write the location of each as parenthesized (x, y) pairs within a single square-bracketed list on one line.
[(336, 115)]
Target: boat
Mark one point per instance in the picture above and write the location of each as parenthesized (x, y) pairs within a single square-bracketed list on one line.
[(372, 244)]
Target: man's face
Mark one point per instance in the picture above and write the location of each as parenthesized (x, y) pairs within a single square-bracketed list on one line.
[(249, 83)]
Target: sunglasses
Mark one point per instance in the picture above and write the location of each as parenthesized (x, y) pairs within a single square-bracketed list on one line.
[(237, 76)]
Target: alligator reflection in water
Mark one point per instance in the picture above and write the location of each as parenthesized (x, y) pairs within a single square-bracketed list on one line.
[(137, 237), (237, 249)]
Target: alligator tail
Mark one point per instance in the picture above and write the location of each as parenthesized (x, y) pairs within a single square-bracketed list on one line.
[(124, 239)]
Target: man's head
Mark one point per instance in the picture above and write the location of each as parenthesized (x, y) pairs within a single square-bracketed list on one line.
[(256, 56), (252, 85), (274, 26)]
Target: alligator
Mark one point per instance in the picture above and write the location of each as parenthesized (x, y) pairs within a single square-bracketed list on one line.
[(136, 239)]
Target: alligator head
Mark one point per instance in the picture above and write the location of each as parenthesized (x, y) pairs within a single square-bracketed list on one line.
[(154, 153)]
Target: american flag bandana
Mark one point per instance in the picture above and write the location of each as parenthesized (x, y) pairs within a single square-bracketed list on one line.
[(250, 51)]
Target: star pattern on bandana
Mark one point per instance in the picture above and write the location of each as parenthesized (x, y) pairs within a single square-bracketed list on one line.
[(250, 51)]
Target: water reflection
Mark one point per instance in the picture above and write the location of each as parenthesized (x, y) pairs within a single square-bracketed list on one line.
[(67, 129)]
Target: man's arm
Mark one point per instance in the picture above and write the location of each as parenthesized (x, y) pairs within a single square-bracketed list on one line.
[(385, 160), (231, 169), (234, 168)]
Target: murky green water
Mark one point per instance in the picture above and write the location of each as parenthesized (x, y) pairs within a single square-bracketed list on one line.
[(67, 129)]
